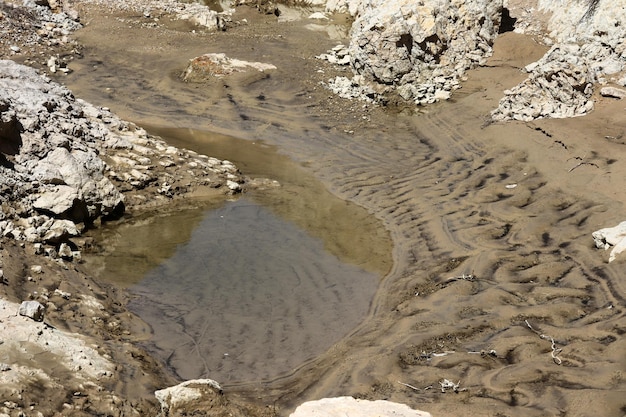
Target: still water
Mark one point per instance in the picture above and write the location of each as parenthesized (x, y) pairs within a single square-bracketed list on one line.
[(248, 289)]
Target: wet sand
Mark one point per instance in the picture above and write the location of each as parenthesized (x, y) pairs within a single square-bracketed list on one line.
[(481, 270)]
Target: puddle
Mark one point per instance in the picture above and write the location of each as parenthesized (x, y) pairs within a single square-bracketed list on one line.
[(249, 289)]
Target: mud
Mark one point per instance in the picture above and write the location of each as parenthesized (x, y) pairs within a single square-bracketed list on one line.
[(481, 269)]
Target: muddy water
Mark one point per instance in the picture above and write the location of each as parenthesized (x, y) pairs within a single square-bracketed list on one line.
[(478, 266), (247, 297), (249, 289)]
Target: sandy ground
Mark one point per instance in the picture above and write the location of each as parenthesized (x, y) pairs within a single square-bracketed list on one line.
[(497, 288)]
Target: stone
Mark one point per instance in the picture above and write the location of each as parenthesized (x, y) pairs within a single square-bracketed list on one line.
[(32, 309), (187, 393), (56, 200), (587, 45), (65, 252), (419, 47), (59, 230), (207, 66), (349, 406), (611, 237), (613, 92)]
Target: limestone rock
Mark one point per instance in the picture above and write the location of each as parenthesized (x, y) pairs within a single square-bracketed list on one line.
[(57, 200), (207, 66), (611, 236), (559, 85), (588, 47), (613, 92), (348, 406), (420, 49), (32, 309), (177, 398)]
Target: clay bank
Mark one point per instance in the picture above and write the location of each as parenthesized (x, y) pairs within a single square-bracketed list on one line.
[(439, 117)]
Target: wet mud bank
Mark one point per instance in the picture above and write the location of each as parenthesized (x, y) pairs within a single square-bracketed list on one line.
[(491, 223)]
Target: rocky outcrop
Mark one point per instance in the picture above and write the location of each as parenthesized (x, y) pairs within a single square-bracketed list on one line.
[(558, 85), (348, 406), (65, 164), (50, 150), (588, 49), (419, 50)]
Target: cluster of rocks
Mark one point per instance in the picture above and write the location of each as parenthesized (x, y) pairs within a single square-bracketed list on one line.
[(65, 164), (417, 50), (38, 29), (588, 49), (560, 84)]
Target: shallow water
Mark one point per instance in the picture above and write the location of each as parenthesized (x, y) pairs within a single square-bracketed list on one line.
[(249, 289), (248, 297)]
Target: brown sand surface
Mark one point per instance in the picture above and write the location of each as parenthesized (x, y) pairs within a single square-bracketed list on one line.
[(481, 271)]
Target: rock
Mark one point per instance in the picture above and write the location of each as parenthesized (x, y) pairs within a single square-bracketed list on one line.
[(32, 309), (57, 200), (59, 230), (613, 92), (611, 236), (420, 48), (348, 406), (176, 398), (558, 86), (208, 66), (587, 38), (318, 16), (65, 252)]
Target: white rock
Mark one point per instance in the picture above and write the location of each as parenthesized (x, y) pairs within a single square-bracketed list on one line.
[(587, 39), (60, 230), (348, 406), (233, 186), (318, 16), (613, 92), (57, 199), (219, 65), (611, 236), (32, 309), (186, 392), (419, 47)]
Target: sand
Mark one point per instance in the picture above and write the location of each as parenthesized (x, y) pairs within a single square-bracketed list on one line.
[(496, 283)]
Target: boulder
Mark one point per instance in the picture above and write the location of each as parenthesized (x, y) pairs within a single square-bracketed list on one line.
[(420, 49), (559, 85), (587, 47), (348, 406), (190, 393), (32, 309), (56, 200)]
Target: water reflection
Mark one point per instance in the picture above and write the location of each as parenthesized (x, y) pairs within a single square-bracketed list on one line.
[(249, 297), (347, 230)]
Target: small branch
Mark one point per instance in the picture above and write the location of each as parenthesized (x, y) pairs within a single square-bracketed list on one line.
[(409, 385), (582, 162), (555, 350)]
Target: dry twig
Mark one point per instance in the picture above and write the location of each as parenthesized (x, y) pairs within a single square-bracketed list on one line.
[(555, 350)]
